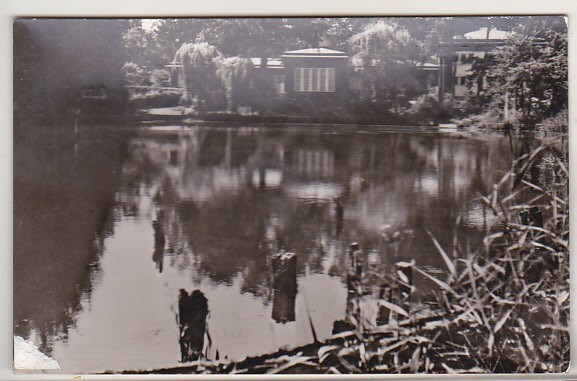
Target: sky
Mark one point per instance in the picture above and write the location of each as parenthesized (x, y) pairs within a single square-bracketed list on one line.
[(148, 24)]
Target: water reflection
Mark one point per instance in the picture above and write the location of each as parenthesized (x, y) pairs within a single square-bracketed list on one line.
[(192, 313), (220, 209), (64, 189)]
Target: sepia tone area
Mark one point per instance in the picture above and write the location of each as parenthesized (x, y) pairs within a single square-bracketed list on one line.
[(292, 195)]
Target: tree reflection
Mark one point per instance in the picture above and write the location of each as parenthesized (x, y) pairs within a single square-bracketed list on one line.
[(159, 241), (64, 198)]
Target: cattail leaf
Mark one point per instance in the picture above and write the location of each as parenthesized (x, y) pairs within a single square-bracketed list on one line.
[(448, 262), (482, 271), (562, 297), (562, 166), (437, 281), (393, 307), (415, 360), (490, 343), (502, 321), (533, 186), (324, 351), (490, 238), (334, 370), (528, 340), (298, 359)]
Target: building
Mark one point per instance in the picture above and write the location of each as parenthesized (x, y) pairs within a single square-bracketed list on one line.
[(274, 73), (316, 75), (315, 72), (306, 74), (456, 58)]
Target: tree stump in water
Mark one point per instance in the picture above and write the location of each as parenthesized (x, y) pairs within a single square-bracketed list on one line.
[(355, 270)]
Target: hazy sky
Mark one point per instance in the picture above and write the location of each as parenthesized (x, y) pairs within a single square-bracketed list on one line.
[(148, 24)]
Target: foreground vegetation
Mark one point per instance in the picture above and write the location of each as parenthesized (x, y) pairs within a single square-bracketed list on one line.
[(503, 308)]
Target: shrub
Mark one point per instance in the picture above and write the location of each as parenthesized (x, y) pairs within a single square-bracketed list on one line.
[(155, 99), (556, 124)]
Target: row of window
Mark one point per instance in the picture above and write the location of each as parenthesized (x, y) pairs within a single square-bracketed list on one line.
[(322, 84), (310, 79), (465, 57)]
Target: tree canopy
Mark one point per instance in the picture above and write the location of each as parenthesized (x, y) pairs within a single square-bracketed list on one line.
[(532, 68), (387, 53), (199, 70)]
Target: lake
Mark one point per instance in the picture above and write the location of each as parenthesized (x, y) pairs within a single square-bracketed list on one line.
[(109, 227)]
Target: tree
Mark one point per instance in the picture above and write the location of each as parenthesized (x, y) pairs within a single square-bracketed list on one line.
[(236, 74), (532, 69), (54, 59), (170, 34), (141, 46), (388, 55), (199, 67)]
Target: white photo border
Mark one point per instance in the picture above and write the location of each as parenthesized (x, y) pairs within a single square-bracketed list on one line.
[(11, 9)]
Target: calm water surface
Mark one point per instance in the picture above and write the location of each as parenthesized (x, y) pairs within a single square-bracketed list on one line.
[(95, 290)]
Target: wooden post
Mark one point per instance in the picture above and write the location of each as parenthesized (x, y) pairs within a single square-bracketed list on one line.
[(404, 272), (284, 266)]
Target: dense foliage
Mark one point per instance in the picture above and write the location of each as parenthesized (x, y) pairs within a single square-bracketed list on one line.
[(199, 70), (236, 73), (387, 54), (531, 70)]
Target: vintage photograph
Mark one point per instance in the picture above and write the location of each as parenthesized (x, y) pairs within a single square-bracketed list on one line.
[(352, 195)]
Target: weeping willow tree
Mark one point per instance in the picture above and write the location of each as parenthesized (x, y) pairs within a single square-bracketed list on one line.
[(386, 54), (237, 76), (199, 72)]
